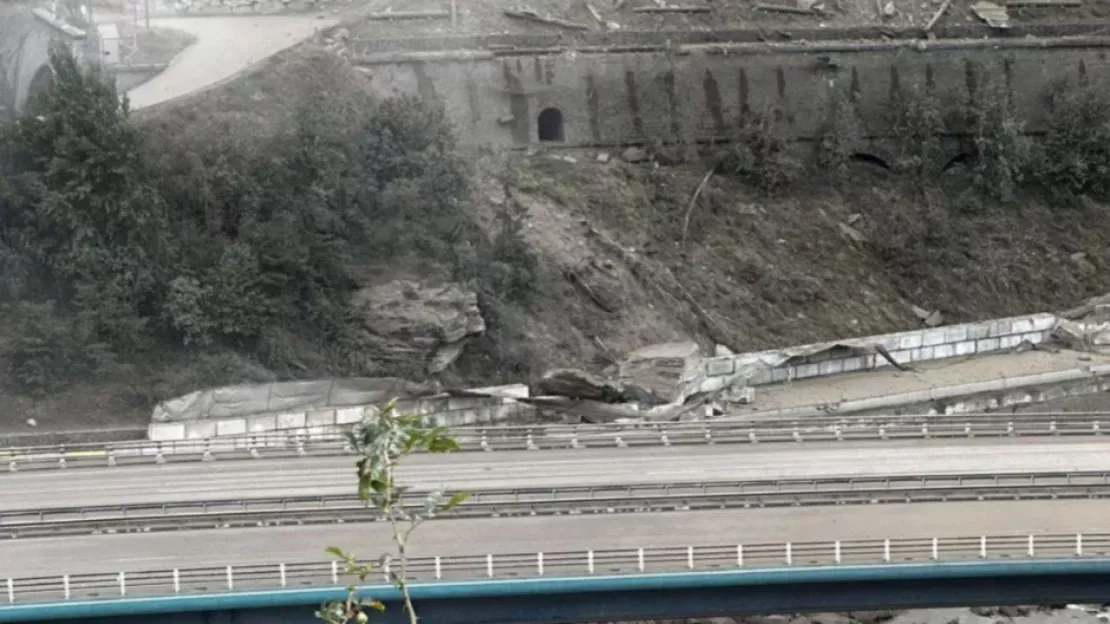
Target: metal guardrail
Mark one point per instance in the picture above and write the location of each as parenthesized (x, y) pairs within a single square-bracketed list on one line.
[(631, 498), (571, 563), (329, 441)]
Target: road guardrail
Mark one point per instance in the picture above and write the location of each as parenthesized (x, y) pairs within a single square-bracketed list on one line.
[(331, 442), (237, 577), (631, 498)]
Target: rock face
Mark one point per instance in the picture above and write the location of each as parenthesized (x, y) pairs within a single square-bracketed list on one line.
[(423, 326)]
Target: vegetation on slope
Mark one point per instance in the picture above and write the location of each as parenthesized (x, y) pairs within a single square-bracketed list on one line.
[(220, 240)]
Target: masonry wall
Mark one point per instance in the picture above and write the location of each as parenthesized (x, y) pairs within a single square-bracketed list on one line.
[(704, 91)]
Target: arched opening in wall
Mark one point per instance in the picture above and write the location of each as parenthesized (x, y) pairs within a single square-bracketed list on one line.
[(551, 125), (41, 83)]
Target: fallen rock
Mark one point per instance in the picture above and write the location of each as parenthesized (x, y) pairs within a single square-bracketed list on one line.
[(634, 154), (669, 371), (603, 157), (420, 325), (934, 319), (721, 351), (851, 233), (578, 384)]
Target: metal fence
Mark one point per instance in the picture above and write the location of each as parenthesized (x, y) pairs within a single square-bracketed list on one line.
[(502, 502), (328, 441), (571, 563)]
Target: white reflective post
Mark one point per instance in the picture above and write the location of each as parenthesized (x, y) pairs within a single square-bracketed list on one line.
[(690, 557), (281, 571), (489, 566), (122, 584), (739, 555), (1032, 547), (230, 580), (590, 561), (65, 585), (11, 591), (836, 552), (936, 549), (789, 554), (886, 550), (983, 547), (176, 581), (439, 568), (1078, 544), (539, 563), (335, 572), (640, 559)]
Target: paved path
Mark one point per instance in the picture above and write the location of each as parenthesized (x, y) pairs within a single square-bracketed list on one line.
[(225, 46), (334, 475)]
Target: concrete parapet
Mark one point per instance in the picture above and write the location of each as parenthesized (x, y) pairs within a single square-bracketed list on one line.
[(857, 354)]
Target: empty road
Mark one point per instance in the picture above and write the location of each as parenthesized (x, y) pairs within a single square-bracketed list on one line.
[(249, 478), (147, 551)]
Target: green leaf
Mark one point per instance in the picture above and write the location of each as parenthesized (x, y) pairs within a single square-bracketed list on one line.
[(442, 445), (336, 551), (375, 605), (454, 501)]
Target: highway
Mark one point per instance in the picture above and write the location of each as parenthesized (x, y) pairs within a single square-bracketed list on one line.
[(113, 553), (249, 478)]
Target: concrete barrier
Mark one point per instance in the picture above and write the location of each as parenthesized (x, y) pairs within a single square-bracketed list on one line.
[(844, 356), (437, 411)]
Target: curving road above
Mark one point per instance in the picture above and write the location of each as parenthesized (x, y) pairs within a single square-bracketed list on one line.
[(334, 475), (113, 553)]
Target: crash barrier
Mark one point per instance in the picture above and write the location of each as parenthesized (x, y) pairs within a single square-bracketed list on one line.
[(331, 441), (500, 502), (237, 576)]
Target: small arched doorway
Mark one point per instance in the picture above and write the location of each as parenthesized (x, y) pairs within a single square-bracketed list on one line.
[(551, 125), (41, 83)]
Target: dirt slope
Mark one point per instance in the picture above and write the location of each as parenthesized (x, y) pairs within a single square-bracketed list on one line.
[(769, 271)]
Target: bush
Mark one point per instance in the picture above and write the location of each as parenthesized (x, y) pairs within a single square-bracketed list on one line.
[(917, 124), (50, 349), (760, 155), (1002, 154), (841, 135), (1075, 150)]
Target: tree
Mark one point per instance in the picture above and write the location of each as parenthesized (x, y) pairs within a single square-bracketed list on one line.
[(382, 440)]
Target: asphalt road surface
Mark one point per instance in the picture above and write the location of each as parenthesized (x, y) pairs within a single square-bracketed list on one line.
[(217, 548), (335, 475)]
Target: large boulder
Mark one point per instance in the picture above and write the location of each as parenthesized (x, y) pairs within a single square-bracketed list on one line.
[(670, 371), (419, 327), (577, 384)]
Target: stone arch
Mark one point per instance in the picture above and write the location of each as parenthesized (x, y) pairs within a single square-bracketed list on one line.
[(41, 82), (550, 125)]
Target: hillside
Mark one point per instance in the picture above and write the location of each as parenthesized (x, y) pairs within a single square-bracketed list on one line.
[(580, 257)]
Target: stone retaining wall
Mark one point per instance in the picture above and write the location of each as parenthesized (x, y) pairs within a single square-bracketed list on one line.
[(821, 360)]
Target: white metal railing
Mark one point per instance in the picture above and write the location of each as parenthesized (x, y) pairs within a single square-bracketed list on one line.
[(321, 441), (573, 563)]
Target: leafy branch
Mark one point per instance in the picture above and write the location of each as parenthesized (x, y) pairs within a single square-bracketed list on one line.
[(382, 440)]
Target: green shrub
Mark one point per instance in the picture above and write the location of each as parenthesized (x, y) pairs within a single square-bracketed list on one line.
[(1075, 149), (49, 349), (840, 136), (1002, 154), (917, 122), (760, 155)]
